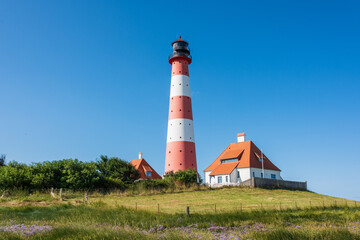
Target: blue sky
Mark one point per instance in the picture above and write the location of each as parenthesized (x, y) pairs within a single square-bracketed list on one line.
[(84, 78)]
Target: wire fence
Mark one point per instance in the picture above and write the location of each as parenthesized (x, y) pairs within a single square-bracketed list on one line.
[(242, 207), (118, 199)]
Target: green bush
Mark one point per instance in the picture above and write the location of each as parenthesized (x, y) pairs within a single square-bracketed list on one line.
[(68, 174), (186, 177)]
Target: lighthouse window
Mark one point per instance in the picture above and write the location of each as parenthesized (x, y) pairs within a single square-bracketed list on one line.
[(180, 150), (169, 151), (180, 123), (180, 84), (169, 164), (171, 110), (180, 110), (180, 136), (180, 163)]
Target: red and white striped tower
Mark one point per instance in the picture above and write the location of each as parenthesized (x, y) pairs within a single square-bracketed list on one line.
[(180, 149)]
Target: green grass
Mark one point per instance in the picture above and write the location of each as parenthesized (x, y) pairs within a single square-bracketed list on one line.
[(114, 216)]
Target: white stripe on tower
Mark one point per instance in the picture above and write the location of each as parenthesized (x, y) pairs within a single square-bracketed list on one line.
[(180, 129), (180, 86)]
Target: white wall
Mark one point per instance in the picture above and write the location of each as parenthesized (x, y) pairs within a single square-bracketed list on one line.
[(245, 174), (207, 177), (233, 176), (267, 172), (215, 180)]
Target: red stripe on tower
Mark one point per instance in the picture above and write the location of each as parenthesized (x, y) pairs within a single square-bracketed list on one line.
[(180, 148)]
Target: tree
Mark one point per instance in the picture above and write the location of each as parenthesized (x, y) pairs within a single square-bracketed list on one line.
[(2, 160), (115, 169)]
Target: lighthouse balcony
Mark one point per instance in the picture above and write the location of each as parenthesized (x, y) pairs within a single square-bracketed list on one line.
[(179, 55)]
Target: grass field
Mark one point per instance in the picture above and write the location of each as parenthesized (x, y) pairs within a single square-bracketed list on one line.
[(240, 213)]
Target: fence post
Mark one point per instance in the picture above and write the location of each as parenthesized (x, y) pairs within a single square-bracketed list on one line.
[(188, 211), (241, 207), (335, 203), (323, 204), (280, 206), (261, 205), (310, 203), (215, 207), (85, 197), (61, 198), (52, 193), (355, 204), (158, 207), (296, 205), (135, 206)]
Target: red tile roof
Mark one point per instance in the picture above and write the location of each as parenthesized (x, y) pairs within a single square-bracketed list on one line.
[(248, 155), (225, 168), (142, 166)]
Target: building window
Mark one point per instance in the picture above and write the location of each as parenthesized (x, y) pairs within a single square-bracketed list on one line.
[(219, 179), (262, 175), (238, 174), (253, 174), (273, 176), (148, 173), (227, 178), (229, 160)]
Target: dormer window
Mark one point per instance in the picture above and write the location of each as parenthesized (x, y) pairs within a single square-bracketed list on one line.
[(229, 160), (148, 173)]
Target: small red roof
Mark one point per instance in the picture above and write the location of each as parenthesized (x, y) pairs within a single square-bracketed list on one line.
[(142, 166), (248, 155)]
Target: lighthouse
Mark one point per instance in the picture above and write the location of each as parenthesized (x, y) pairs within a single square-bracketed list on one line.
[(180, 147)]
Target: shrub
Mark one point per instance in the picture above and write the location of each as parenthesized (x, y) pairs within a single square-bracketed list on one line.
[(186, 177)]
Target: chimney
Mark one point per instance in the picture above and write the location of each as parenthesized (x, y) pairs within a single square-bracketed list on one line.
[(140, 155), (241, 137)]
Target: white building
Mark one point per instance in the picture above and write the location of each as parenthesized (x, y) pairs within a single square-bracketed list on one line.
[(239, 162)]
